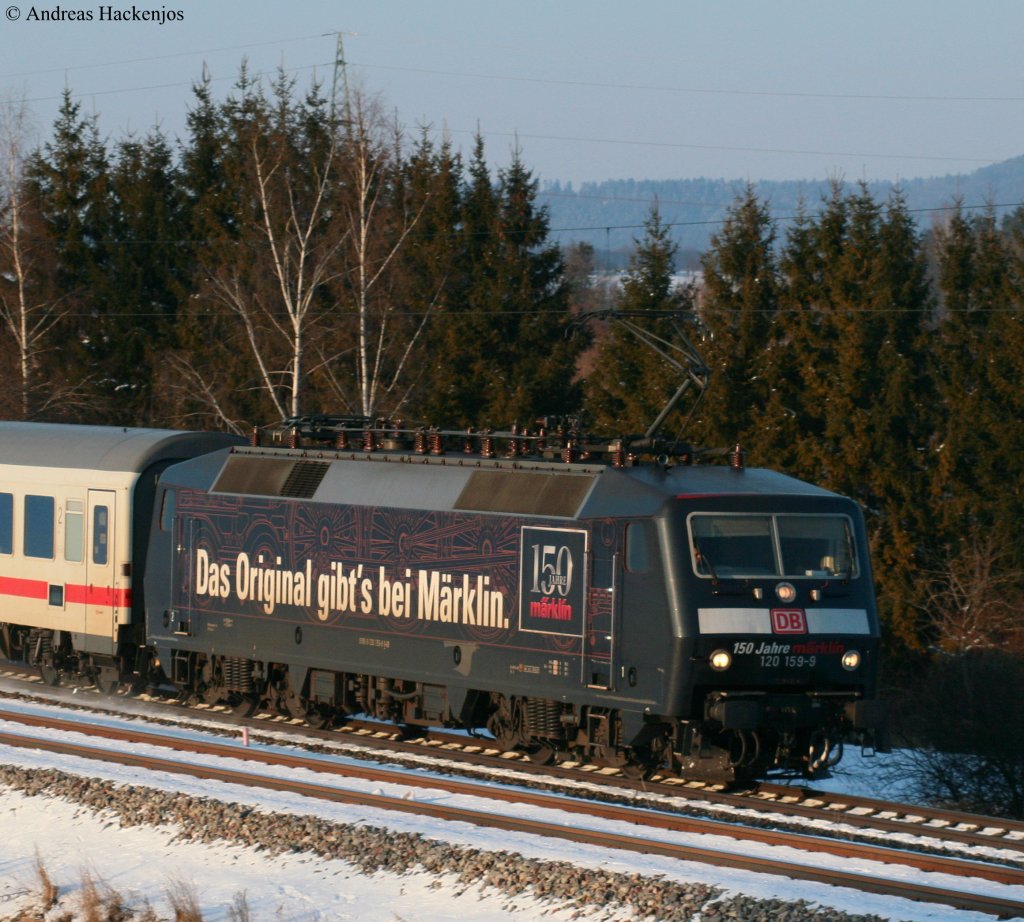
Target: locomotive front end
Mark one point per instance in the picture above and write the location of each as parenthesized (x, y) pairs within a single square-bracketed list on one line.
[(782, 630)]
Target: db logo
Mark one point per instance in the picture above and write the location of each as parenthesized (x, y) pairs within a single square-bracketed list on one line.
[(789, 621)]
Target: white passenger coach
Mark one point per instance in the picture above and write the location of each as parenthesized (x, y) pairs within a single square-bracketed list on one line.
[(75, 508)]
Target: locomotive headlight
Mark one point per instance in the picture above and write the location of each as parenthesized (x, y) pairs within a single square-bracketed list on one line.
[(851, 660), (786, 592), (720, 660)]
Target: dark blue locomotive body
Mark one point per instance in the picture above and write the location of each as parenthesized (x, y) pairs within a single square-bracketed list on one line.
[(705, 619)]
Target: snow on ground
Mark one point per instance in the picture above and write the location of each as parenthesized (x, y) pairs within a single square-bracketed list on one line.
[(145, 864)]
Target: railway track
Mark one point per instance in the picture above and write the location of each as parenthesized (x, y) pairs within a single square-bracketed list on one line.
[(863, 813), (924, 828), (660, 832), (939, 842)]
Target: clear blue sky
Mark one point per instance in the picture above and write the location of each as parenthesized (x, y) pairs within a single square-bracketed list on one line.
[(651, 89)]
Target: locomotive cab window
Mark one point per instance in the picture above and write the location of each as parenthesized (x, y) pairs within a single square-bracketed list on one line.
[(6, 523), (39, 519), (738, 545)]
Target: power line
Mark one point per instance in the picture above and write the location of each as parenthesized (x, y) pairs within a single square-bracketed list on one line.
[(587, 84), (736, 149), (166, 86), (159, 57), (707, 91), (649, 144), (934, 209)]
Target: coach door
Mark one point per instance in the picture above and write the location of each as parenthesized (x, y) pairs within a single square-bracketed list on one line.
[(104, 596)]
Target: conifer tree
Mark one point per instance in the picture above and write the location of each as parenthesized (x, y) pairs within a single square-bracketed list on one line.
[(801, 346), (740, 304), (977, 335), (896, 409), (509, 312), (456, 395), (150, 269), (630, 383), (209, 380), (856, 282), (431, 181), (68, 178)]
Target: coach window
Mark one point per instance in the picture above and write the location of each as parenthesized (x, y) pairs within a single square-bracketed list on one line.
[(39, 526), (6, 523), (74, 530), (638, 547), (100, 530)]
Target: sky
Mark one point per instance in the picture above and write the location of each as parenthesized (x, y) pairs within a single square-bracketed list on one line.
[(588, 90)]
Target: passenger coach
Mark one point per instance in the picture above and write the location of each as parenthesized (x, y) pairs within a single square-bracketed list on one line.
[(75, 508)]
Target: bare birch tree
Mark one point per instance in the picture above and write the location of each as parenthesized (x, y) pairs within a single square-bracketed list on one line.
[(300, 257), (28, 311), (379, 224), (975, 602)]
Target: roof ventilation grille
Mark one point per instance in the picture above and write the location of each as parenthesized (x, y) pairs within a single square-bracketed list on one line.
[(304, 478)]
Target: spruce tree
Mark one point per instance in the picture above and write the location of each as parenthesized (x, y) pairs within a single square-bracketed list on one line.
[(431, 182), (857, 300), (974, 447), (501, 353), (150, 268), (740, 301), (68, 179), (630, 383)]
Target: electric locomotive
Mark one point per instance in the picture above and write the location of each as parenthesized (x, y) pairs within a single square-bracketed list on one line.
[(712, 620)]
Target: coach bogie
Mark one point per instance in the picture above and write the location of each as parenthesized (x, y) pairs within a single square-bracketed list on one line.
[(54, 654)]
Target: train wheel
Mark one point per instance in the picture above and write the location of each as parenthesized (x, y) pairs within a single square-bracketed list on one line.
[(506, 723), (291, 705), (107, 680), (243, 705), (541, 754), (642, 764), (211, 694), (318, 717), (49, 674)]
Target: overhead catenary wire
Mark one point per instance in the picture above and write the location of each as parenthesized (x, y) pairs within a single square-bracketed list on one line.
[(535, 136)]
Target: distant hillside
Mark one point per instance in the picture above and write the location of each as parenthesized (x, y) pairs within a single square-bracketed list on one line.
[(610, 214)]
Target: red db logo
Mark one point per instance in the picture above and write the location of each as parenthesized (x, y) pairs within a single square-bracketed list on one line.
[(789, 621)]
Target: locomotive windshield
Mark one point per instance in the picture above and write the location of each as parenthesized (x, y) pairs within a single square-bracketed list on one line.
[(751, 545)]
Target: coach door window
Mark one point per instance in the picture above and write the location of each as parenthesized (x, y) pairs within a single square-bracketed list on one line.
[(39, 527), (74, 530), (6, 523), (100, 532)]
